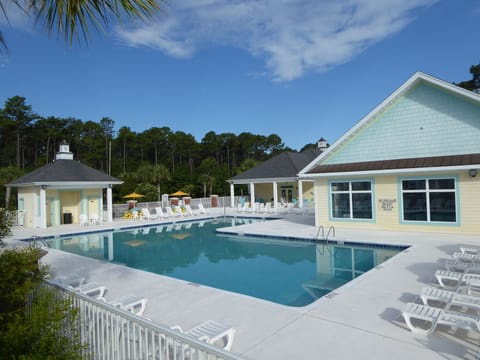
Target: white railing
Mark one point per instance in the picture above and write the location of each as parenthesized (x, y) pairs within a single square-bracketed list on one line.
[(222, 201), (111, 333)]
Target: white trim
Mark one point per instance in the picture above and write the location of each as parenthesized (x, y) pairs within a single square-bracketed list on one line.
[(68, 184), (417, 77), (398, 171), (263, 180)]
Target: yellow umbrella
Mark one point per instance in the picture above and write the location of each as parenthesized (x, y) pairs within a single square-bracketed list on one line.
[(133, 195), (179, 193)]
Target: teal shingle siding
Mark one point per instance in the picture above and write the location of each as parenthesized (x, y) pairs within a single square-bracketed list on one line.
[(426, 121)]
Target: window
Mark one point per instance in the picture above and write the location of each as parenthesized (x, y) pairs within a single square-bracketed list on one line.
[(348, 263), (351, 199), (429, 200)]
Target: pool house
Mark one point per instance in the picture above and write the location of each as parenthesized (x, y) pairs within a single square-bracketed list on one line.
[(411, 164), (276, 179), (63, 192)]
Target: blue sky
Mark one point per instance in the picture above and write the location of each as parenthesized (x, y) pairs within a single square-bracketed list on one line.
[(301, 69)]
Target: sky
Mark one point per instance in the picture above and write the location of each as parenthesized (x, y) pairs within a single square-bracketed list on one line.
[(300, 69)]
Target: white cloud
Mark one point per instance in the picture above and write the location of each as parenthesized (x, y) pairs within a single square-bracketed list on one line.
[(293, 36)]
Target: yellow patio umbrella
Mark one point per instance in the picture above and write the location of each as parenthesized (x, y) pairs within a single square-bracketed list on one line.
[(133, 195), (179, 193)]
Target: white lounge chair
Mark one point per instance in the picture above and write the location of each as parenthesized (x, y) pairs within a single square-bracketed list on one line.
[(212, 333), (133, 303), (462, 266), (95, 220), (467, 249), (177, 209), (160, 213), (136, 216), (84, 220), (76, 283), (241, 207), (458, 279), (202, 209), (449, 298), (189, 210), (147, 215), (435, 316), (170, 212), (466, 256)]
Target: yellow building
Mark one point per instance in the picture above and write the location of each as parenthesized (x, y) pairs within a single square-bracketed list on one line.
[(411, 164), (63, 192), (276, 180)]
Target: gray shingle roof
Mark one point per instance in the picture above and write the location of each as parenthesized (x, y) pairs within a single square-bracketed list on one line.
[(64, 171), (285, 165)]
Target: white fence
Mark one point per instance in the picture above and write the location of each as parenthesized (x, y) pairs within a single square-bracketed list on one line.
[(221, 201), (111, 333)]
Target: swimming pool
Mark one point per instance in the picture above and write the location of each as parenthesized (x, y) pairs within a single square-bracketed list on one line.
[(293, 273)]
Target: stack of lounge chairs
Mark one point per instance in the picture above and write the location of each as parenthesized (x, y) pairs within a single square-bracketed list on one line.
[(455, 302)]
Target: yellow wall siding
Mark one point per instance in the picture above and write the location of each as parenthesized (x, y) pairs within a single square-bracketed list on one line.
[(263, 192), (386, 188), (307, 190)]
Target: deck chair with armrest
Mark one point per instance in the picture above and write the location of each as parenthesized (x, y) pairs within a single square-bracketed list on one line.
[(465, 256), (170, 212), (416, 315), (147, 215), (462, 266), (449, 298), (202, 210), (132, 303), (160, 213), (457, 279), (212, 333)]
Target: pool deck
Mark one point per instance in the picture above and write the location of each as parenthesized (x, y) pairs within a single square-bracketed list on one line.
[(361, 320)]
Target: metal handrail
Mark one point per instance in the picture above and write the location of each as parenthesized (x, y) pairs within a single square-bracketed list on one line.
[(112, 333), (331, 228), (322, 229)]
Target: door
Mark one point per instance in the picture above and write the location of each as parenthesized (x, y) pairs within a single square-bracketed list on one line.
[(50, 208), (93, 207)]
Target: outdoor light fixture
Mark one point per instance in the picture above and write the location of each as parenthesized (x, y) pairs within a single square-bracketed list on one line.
[(472, 172)]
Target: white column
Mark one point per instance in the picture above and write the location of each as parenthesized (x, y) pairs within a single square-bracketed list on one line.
[(43, 208), (315, 194), (300, 193), (252, 194), (232, 195), (110, 246), (275, 195), (109, 204)]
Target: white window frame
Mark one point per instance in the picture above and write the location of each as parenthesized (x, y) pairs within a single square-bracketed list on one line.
[(350, 193), (427, 192)]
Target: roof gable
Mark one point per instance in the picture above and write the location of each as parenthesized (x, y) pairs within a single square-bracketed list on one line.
[(425, 117), (285, 165), (64, 171)]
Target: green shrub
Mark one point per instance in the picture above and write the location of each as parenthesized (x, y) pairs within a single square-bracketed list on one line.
[(36, 321)]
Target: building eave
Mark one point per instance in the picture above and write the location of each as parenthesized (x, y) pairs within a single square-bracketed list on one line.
[(438, 169), (67, 185)]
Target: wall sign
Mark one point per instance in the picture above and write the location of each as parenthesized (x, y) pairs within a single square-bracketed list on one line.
[(387, 204)]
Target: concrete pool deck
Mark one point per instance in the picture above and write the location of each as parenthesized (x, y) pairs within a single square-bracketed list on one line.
[(361, 320)]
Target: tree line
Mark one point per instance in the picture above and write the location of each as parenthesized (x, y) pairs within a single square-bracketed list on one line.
[(154, 161)]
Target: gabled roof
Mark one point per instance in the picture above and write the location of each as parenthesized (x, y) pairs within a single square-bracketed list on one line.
[(283, 166), (365, 124), (64, 172)]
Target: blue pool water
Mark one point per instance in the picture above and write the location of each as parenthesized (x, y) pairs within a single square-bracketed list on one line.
[(293, 273)]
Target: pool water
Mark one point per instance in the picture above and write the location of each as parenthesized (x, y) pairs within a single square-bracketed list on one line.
[(293, 273)]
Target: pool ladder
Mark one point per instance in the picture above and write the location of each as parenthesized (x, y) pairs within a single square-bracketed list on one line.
[(321, 233)]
